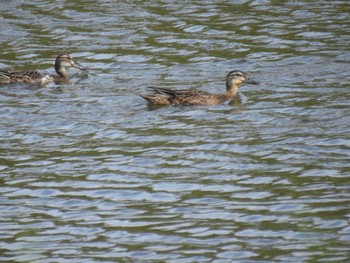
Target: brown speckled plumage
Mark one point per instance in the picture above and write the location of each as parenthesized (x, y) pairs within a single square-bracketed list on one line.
[(163, 96), (36, 77)]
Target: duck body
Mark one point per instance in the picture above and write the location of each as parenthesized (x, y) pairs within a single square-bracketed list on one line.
[(30, 76), (164, 96), (35, 77)]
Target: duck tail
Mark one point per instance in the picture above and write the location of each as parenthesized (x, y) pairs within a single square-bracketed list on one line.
[(163, 91), (4, 76)]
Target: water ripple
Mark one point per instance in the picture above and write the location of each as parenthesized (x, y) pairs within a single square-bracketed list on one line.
[(90, 173)]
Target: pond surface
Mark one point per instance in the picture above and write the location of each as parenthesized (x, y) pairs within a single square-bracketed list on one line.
[(91, 173)]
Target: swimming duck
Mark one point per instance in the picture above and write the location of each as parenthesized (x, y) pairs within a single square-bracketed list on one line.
[(163, 96), (33, 76)]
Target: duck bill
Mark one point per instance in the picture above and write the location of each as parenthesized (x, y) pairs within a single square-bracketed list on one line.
[(78, 66), (252, 81)]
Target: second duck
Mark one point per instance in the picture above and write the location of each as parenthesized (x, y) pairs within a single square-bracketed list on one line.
[(32, 76), (163, 96)]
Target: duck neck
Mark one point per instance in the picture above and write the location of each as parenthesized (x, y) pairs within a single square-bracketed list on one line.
[(61, 71), (231, 89)]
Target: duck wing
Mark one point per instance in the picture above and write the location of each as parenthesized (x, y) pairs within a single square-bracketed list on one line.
[(30, 76), (173, 93), (184, 97)]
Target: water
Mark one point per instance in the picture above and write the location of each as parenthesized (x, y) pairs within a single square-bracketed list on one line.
[(91, 173)]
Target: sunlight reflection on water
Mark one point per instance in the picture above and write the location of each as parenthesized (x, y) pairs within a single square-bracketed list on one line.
[(89, 172)]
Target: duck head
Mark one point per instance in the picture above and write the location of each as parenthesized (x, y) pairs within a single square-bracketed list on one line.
[(64, 61)]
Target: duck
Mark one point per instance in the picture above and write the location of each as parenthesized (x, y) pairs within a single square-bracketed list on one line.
[(165, 96), (62, 62)]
